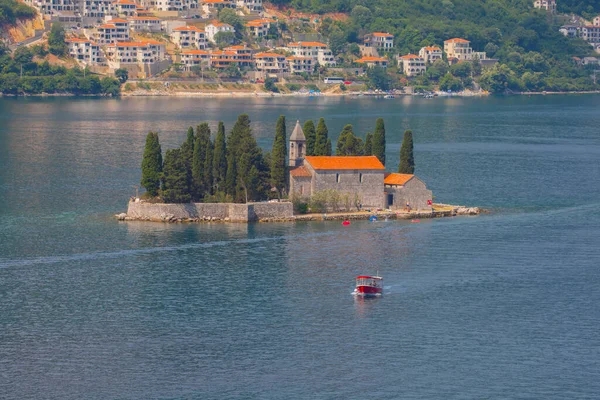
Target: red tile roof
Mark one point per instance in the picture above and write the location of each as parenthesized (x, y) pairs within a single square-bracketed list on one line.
[(267, 55), (456, 40), (300, 171), (307, 44), (397, 179), (382, 34), (371, 59), (344, 162), (409, 56)]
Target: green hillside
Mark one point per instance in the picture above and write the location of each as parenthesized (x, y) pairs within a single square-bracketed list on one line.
[(11, 10)]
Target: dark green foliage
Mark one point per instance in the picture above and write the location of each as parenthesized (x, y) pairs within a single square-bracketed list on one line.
[(199, 180), (321, 148), (122, 75), (279, 178), (229, 16), (407, 159), (378, 147), (328, 148), (152, 164), (270, 85), (369, 144), (208, 171), (224, 39), (231, 177), (348, 144), (175, 187), (23, 55), (56, 40), (378, 78), (220, 158), (451, 83), (311, 136), (11, 10)]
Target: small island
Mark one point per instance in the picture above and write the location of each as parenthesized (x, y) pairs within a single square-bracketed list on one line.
[(229, 179)]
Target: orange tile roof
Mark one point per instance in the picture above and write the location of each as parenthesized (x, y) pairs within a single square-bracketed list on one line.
[(134, 44), (198, 52), (77, 40), (382, 34), (265, 55), (145, 18), (107, 26), (298, 58), (344, 162), (118, 20), (213, 1), (307, 44), (456, 40), (397, 179), (432, 48), (370, 59), (217, 23), (124, 2), (237, 47), (188, 28), (409, 56), (299, 171)]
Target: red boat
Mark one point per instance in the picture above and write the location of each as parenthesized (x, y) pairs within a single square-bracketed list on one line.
[(368, 286)]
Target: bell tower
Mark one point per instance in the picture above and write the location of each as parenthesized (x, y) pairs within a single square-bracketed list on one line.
[(297, 146)]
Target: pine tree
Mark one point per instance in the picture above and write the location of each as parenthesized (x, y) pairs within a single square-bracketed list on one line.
[(278, 165), (199, 187), (320, 148), (311, 137), (152, 164), (378, 146), (175, 187), (407, 160), (220, 159), (348, 144), (369, 144)]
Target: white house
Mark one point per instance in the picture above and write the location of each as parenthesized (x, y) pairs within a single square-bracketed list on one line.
[(189, 36), (381, 40), (145, 24), (412, 64), (271, 63), (193, 58), (85, 51), (216, 27), (315, 50), (430, 54)]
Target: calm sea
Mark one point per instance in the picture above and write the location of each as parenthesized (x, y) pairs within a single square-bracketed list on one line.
[(505, 305)]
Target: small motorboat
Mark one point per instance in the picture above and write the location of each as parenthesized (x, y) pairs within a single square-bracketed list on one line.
[(346, 223), (368, 286), (389, 96), (373, 218)]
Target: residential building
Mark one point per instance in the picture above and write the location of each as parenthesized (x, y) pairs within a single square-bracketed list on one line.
[(250, 5), (597, 21), (170, 5), (571, 31), (412, 64), (459, 49), (50, 7), (590, 33), (298, 64), (240, 56), (548, 5), (145, 24), (189, 36), (115, 30), (259, 27), (193, 58), (430, 54), (144, 58), (125, 8), (371, 62), (216, 27), (381, 40), (272, 63), (403, 189), (85, 51), (315, 50), (589, 61), (213, 6)]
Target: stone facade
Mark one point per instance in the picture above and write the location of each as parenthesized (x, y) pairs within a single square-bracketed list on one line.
[(413, 191)]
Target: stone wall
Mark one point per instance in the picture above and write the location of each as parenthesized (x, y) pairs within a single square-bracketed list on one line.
[(209, 211), (413, 192), (368, 185)]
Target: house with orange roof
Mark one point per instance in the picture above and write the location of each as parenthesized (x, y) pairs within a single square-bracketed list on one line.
[(372, 62), (403, 189), (141, 59), (430, 54), (459, 49), (189, 36), (126, 8), (213, 6), (412, 64), (85, 51), (381, 40), (298, 65), (194, 58), (240, 56), (145, 24), (216, 27), (318, 51), (271, 63), (114, 30), (259, 27)]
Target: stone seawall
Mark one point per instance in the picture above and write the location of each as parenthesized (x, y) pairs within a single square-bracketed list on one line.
[(194, 212)]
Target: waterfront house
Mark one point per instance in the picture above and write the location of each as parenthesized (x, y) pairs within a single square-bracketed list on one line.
[(317, 51), (141, 59), (84, 51), (458, 48), (430, 54), (189, 36), (372, 62), (403, 189), (380, 40), (216, 27), (271, 63), (194, 58), (240, 56), (412, 64), (299, 64)]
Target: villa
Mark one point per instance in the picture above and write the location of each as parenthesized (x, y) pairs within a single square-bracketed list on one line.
[(317, 51), (459, 49), (380, 40), (412, 64), (372, 62), (430, 54)]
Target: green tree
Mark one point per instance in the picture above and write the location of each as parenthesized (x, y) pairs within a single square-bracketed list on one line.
[(122, 75), (496, 80), (348, 144), (208, 170), (152, 164), (378, 78), (278, 166), (56, 40), (220, 158), (321, 139), (369, 144), (378, 147), (407, 159), (270, 85), (450, 83), (229, 16), (175, 188), (311, 137), (23, 55), (328, 147), (201, 145), (224, 39)]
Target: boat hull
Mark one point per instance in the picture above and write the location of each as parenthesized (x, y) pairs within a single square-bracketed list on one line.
[(368, 291)]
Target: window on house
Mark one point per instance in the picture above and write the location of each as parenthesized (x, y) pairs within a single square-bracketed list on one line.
[(360, 178), (337, 178)]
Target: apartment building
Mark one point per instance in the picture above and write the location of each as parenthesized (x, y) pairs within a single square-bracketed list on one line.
[(250, 5), (412, 64), (271, 63), (299, 64), (194, 58), (590, 33), (216, 27), (114, 30), (189, 36), (85, 51), (125, 8), (459, 49), (372, 62), (430, 54), (145, 24), (380, 40), (548, 5), (315, 50), (259, 27)]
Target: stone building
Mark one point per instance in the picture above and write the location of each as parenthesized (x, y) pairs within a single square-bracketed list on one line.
[(403, 189), (297, 146)]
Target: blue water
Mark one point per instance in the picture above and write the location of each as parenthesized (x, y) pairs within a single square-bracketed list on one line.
[(504, 305)]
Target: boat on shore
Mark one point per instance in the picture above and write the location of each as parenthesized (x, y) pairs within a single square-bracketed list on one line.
[(368, 286)]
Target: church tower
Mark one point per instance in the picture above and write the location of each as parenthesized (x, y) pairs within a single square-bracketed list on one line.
[(297, 146)]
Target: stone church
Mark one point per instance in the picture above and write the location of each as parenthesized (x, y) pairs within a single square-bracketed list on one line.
[(362, 177)]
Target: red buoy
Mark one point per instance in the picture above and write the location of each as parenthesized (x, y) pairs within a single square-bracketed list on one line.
[(346, 223)]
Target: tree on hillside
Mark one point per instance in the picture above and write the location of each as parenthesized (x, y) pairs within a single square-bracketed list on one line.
[(23, 55), (229, 16), (220, 159), (407, 160), (311, 137), (278, 166), (152, 164), (224, 39), (321, 139), (378, 78), (348, 144), (369, 144), (379, 140), (56, 40), (175, 188), (201, 145), (122, 75)]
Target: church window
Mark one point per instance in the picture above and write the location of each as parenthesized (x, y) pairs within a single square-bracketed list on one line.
[(337, 178), (360, 178)]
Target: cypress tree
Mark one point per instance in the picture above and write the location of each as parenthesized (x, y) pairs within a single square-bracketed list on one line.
[(187, 150), (220, 158), (152, 164), (198, 160), (328, 147), (321, 145), (348, 144), (208, 171), (278, 166), (369, 144), (378, 146), (407, 160), (175, 187), (231, 176), (311, 137)]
